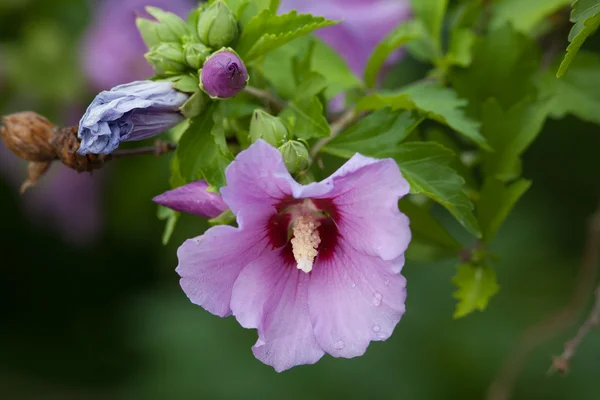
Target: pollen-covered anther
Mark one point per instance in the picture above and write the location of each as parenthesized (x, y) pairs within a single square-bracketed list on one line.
[(305, 242)]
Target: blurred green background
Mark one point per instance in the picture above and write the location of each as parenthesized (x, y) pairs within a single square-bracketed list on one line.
[(91, 307)]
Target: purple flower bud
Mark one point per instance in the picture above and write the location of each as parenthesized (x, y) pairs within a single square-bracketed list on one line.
[(134, 111), (223, 75), (193, 198)]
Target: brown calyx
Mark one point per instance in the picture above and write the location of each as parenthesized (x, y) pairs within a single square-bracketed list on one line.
[(37, 140)]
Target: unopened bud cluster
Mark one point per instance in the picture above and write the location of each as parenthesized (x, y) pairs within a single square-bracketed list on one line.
[(198, 48)]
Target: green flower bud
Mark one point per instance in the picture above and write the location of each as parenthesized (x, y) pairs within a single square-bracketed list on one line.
[(170, 28), (217, 26), (295, 156), (196, 54), (267, 127), (167, 59)]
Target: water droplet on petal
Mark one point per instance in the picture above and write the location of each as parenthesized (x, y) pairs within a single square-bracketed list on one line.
[(377, 299), (339, 345), (386, 282), (197, 241), (353, 285), (376, 328)]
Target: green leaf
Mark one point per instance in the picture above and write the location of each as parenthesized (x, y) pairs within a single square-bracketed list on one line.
[(312, 85), (431, 13), (432, 101), (245, 10), (334, 68), (476, 285), (404, 33), (586, 16), (425, 165), (377, 132), (503, 66), (306, 109), (525, 16), (578, 92), (430, 240), (171, 217), (461, 48), (510, 133), (266, 32), (278, 67), (202, 149), (496, 201), (309, 120)]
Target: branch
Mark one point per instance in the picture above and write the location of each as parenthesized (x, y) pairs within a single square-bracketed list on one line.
[(271, 101), (562, 362), (535, 335), (159, 148)]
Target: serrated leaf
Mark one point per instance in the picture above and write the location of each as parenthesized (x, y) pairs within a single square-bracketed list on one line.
[(430, 241), (525, 16), (476, 286), (432, 101), (278, 67), (310, 122), (202, 149), (425, 165), (585, 14), (306, 109), (576, 93), (496, 201), (334, 68), (504, 63), (267, 31), (245, 10), (376, 133), (460, 51), (312, 84), (404, 33), (431, 13), (510, 133)]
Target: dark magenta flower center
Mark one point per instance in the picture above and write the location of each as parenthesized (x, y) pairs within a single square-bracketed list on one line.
[(321, 213)]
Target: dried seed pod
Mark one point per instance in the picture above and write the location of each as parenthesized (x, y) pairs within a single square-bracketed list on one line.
[(28, 135), (35, 170)]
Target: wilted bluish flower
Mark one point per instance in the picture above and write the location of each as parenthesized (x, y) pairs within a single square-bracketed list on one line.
[(223, 75), (315, 269), (193, 199), (366, 22), (113, 50), (134, 111)]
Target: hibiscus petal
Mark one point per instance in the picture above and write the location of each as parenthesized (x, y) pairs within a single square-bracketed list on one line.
[(256, 178), (366, 193), (271, 296), (193, 199), (354, 299), (210, 264)]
